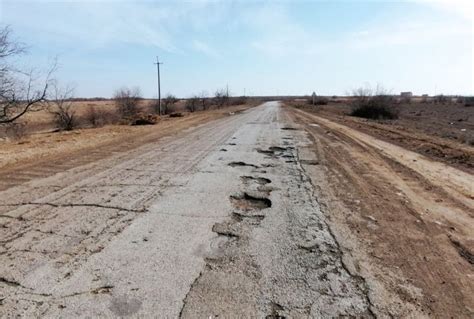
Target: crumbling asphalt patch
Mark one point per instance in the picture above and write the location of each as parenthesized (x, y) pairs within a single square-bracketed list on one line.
[(258, 180), (248, 202), (277, 151), (240, 216)]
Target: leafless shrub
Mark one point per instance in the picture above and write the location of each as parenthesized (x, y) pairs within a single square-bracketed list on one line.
[(98, 117), (20, 91), (221, 98), (61, 107), (440, 99), (318, 100), (238, 100), (204, 101), (373, 105), (168, 104), (126, 101), (192, 103)]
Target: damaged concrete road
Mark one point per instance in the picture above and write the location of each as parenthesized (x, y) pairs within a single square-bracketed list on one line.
[(219, 221)]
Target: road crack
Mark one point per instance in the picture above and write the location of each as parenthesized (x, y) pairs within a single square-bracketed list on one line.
[(185, 300), (56, 205)]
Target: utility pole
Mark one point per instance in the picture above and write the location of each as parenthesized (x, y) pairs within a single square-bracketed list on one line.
[(159, 88)]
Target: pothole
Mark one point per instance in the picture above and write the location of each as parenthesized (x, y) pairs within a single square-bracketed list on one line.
[(276, 151), (223, 150), (234, 164), (278, 148), (240, 216), (258, 180), (265, 189), (266, 152), (248, 202), (224, 229)]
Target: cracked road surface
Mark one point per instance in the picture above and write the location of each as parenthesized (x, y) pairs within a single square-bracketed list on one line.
[(220, 220)]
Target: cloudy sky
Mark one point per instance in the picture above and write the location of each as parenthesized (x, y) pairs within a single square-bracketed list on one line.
[(264, 47)]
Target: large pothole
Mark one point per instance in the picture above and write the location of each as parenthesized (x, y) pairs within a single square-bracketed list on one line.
[(236, 164), (258, 180), (248, 202)]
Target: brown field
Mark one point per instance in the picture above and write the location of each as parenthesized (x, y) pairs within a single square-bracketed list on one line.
[(441, 131)]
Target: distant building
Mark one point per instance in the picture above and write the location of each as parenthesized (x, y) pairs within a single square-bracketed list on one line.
[(406, 94)]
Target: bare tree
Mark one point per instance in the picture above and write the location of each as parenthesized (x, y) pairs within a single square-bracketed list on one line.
[(203, 99), (221, 98), (20, 91), (192, 103), (61, 107), (126, 101), (168, 103)]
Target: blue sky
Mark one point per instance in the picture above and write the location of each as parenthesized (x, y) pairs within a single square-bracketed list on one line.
[(264, 47)]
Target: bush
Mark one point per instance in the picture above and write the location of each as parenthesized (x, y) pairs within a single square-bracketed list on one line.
[(126, 101), (238, 100), (440, 99), (64, 117), (378, 106), (192, 103), (144, 119), (221, 98), (61, 108), (167, 104), (99, 117), (319, 100), (468, 101)]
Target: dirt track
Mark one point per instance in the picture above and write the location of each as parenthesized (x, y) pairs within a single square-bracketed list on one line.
[(405, 220), (271, 212)]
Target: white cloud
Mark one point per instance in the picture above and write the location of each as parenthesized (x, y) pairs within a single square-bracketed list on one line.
[(462, 8), (206, 49)]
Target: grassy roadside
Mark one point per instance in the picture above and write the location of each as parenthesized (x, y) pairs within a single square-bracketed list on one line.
[(54, 146)]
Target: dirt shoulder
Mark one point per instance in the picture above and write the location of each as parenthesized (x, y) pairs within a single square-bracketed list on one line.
[(25, 159), (441, 132), (405, 222)]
